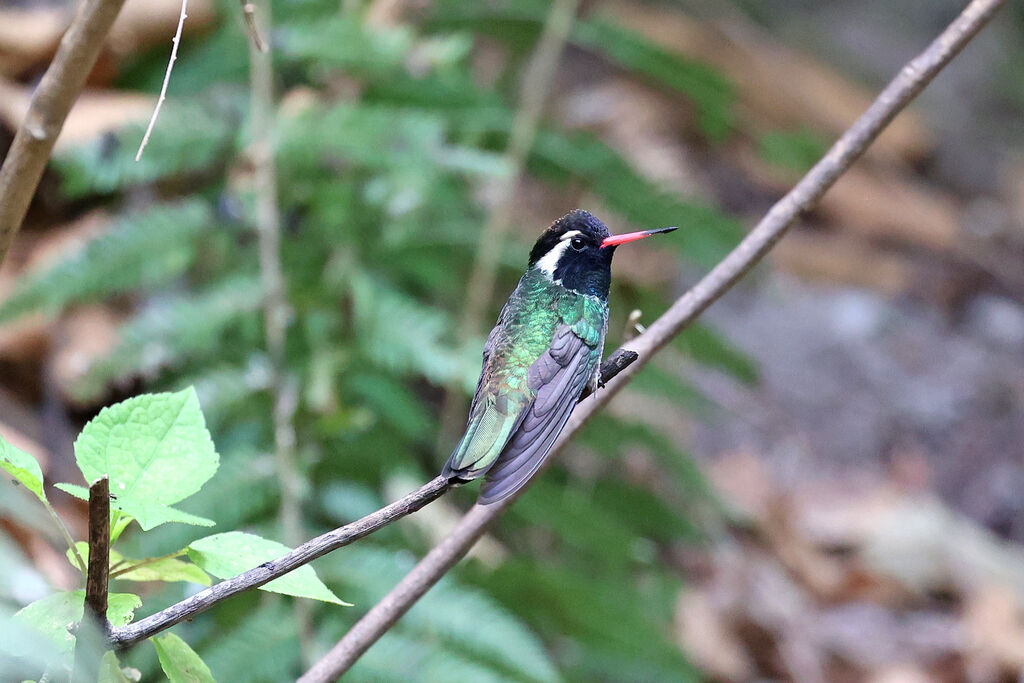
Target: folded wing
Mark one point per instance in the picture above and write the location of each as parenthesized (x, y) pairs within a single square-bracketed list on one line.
[(558, 378)]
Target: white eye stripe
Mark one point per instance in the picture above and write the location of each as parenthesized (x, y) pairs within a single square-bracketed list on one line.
[(569, 235), (549, 261)]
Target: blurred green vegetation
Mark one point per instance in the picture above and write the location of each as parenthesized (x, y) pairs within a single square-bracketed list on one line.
[(380, 226)]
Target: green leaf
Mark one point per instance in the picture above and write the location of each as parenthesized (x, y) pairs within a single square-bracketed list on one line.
[(23, 467), (156, 450), (147, 569), (110, 669), (53, 614), (229, 554), (179, 661)]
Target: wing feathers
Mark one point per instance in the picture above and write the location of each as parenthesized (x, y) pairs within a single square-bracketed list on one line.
[(560, 373)]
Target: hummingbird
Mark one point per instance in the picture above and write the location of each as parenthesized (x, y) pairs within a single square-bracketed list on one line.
[(544, 350)]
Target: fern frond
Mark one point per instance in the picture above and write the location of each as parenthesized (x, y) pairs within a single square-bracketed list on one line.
[(343, 40), (194, 135), (401, 334), (461, 621), (142, 249), (169, 331)]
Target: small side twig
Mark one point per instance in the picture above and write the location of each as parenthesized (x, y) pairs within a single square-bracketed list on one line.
[(64, 78), (97, 578), (167, 79), (249, 18), (900, 91)]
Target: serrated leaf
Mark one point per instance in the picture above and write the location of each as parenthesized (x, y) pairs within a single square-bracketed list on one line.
[(23, 467), (110, 669), (147, 569), (53, 614), (179, 661), (229, 554), (156, 450)]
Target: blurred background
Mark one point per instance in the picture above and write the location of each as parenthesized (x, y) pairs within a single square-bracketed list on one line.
[(822, 480)]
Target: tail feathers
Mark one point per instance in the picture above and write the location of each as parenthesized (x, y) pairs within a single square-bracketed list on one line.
[(486, 435)]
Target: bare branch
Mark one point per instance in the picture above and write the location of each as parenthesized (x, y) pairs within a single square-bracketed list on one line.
[(900, 91), (97, 578), (167, 79), (51, 103)]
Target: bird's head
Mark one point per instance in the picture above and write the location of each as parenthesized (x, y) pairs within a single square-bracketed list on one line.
[(576, 252)]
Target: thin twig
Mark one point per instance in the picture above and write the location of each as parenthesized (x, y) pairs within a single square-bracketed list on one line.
[(167, 79), (97, 578), (535, 87), (249, 18), (63, 81), (276, 310), (911, 79), (127, 636), (72, 546), (118, 570)]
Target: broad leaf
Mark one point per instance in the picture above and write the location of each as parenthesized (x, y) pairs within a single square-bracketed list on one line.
[(156, 450), (229, 554), (179, 661), (53, 614), (23, 467)]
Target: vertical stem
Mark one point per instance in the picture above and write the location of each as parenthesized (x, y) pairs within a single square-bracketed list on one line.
[(94, 616), (534, 90), (276, 310)]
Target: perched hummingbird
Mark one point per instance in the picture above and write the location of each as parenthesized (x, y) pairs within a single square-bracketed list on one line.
[(545, 348)]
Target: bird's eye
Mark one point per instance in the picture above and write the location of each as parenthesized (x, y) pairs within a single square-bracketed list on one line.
[(577, 243)]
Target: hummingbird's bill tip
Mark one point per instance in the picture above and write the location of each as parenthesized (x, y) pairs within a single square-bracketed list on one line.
[(615, 240)]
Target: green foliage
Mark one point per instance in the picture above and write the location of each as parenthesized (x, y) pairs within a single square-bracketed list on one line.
[(53, 614), (228, 554), (193, 136), (110, 669), (146, 248), (455, 626), (171, 331), (179, 661), (147, 569), (23, 467), (156, 451)]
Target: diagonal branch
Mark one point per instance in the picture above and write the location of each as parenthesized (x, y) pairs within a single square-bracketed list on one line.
[(23, 167), (900, 91)]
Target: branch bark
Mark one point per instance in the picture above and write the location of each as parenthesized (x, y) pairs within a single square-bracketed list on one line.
[(97, 578), (900, 91), (126, 636), (63, 81)]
